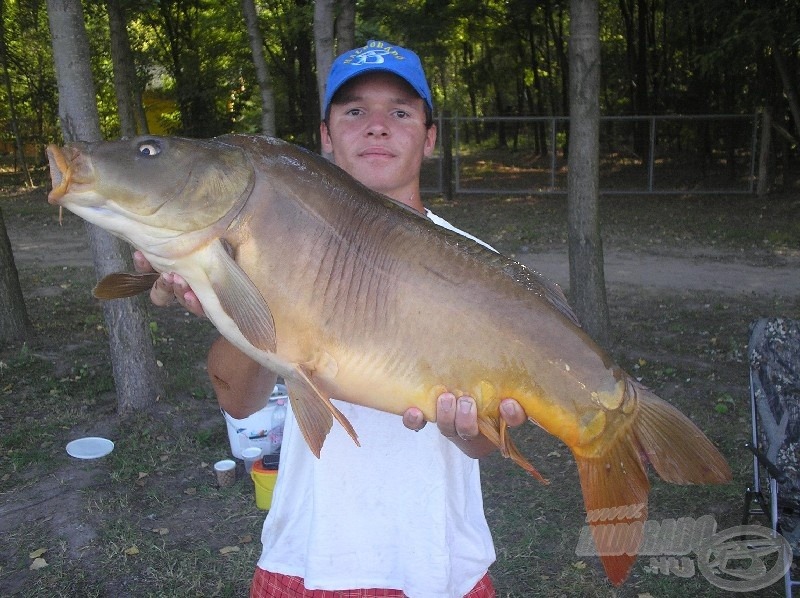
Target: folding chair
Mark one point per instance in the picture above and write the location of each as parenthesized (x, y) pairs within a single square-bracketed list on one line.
[(774, 356)]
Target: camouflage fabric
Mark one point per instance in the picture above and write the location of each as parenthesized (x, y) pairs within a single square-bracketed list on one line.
[(774, 355)]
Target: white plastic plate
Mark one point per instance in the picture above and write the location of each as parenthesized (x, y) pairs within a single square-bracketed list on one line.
[(91, 447)]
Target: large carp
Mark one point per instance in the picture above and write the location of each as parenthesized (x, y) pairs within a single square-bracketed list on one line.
[(348, 294)]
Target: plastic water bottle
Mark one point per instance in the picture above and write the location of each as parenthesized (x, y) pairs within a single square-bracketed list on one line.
[(278, 417)]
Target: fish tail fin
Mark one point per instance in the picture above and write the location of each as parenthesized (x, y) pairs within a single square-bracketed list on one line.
[(615, 484), (678, 451), (615, 489), (496, 430)]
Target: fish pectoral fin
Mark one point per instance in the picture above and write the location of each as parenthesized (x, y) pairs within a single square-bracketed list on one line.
[(314, 411), (615, 489), (241, 300), (496, 430), (121, 285)]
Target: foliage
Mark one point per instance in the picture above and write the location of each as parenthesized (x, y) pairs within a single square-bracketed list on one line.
[(483, 58)]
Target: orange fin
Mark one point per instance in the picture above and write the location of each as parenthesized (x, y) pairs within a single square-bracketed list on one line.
[(615, 491), (615, 484), (121, 285), (678, 451), (314, 411), (496, 430)]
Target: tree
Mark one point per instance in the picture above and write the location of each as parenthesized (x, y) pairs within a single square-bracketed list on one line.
[(132, 358), (129, 102), (262, 69), (14, 322), (346, 26), (323, 44), (586, 276), (333, 34)]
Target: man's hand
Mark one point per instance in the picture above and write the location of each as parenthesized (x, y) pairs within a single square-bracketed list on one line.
[(169, 288), (457, 419)]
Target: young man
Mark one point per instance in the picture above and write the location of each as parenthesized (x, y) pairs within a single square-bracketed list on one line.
[(403, 513)]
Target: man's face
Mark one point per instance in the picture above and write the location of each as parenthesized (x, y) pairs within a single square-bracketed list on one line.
[(376, 132)]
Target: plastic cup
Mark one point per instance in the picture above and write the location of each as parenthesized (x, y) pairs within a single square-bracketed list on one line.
[(250, 455), (264, 480), (226, 472)]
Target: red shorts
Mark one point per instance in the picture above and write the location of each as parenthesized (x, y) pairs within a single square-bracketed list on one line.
[(274, 585)]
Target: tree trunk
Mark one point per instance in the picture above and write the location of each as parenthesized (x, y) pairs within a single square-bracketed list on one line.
[(12, 109), (129, 103), (346, 26), (323, 45), (789, 87), (14, 322), (586, 276), (262, 69), (132, 358)]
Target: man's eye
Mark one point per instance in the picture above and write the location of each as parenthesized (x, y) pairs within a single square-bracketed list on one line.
[(402, 114)]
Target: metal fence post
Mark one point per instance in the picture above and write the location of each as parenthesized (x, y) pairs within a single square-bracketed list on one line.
[(763, 156), (447, 156)]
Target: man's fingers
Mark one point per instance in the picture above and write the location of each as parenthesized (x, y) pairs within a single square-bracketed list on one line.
[(512, 412), (413, 419), (140, 263), (466, 418), (162, 293)]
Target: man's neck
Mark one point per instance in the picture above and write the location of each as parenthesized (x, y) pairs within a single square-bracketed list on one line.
[(411, 199)]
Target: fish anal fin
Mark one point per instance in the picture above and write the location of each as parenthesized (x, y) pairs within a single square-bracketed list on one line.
[(676, 448), (496, 430), (615, 489), (241, 300), (314, 411), (120, 285)]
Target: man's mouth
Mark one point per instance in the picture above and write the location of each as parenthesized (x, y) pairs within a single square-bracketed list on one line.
[(379, 152)]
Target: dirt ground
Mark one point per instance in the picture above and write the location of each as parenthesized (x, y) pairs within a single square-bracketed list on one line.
[(672, 271), (676, 269)]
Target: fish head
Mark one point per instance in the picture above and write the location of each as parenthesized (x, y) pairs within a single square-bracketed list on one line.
[(154, 186)]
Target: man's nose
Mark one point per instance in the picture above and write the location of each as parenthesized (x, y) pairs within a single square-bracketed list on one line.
[(378, 125)]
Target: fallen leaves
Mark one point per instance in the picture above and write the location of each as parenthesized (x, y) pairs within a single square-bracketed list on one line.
[(38, 562)]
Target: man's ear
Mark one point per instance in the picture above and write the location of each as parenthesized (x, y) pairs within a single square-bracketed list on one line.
[(325, 138), (430, 141)]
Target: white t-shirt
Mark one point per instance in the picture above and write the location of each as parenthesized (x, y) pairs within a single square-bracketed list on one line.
[(403, 511)]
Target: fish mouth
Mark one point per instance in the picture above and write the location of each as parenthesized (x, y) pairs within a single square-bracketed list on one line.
[(59, 173), (69, 168)]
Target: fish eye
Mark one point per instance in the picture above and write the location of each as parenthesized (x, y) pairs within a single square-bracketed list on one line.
[(149, 148)]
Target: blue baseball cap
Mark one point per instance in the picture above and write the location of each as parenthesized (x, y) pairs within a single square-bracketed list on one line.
[(377, 56)]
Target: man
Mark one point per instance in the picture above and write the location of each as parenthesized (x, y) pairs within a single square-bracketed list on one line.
[(403, 513)]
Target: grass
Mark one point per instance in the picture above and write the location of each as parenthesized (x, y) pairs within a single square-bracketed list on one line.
[(148, 520)]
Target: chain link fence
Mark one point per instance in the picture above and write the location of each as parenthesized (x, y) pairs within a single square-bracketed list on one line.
[(698, 154)]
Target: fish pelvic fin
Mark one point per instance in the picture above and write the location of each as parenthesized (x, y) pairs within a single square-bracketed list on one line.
[(121, 285), (241, 300), (496, 430), (676, 448), (615, 489), (314, 411)]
